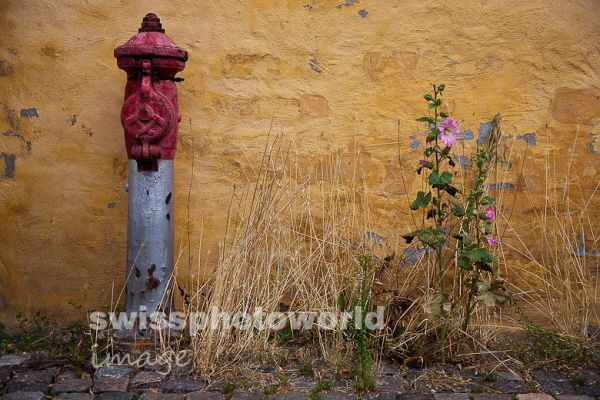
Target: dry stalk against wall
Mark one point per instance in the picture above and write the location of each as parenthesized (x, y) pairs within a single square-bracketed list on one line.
[(290, 239)]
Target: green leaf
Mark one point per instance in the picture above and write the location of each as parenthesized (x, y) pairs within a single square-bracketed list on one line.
[(426, 119), (451, 190), (341, 302), (428, 96), (480, 256), (439, 181), (441, 87), (487, 200), (451, 162), (435, 104), (421, 201), (463, 262), (444, 114), (457, 210), (433, 237), (428, 151)]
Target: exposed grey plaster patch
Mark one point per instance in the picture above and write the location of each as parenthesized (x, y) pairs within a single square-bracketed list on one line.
[(465, 135), (463, 161), (376, 238), (363, 13), (501, 185), (592, 146), (29, 113), (414, 142), (581, 251), (314, 65), (9, 165), (347, 3), (411, 256), (529, 138), (485, 129)]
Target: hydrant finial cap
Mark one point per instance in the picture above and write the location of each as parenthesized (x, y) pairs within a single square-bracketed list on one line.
[(151, 23)]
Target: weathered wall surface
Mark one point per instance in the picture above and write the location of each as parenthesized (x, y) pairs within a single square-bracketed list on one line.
[(334, 75)]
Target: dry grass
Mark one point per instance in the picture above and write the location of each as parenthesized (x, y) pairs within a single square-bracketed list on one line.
[(550, 259), (290, 243)]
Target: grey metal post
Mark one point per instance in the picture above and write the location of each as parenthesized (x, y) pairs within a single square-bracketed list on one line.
[(150, 239)]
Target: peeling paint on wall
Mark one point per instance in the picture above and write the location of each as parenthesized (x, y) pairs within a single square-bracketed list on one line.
[(501, 185), (465, 135), (29, 113), (9, 165), (485, 129), (414, 142), (528, 138)]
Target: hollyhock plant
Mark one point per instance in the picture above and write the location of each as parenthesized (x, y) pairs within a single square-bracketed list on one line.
[(452, 217)]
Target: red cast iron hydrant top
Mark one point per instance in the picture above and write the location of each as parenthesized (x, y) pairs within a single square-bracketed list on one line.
[(150, 113)]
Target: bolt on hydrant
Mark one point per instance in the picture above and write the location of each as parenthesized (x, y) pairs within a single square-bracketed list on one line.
[(150, 116)]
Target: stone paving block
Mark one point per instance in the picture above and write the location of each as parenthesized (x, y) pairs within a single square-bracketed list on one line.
[(11, 361), (388, 369), (111, 379), (111, 384), (511, 386), (204, 395), (534, 396), (289, 396), (112, 371), (32, 381), (24, 396), (414, 396), (115, 396), (71, 385), (303, 384), (182, 385), (489, 396), (450, 396), (36, 359), (590, 390), (147, 379), (509, 376), (393, 384), (556, 387), (552, 382), (573, 397), (162, 396), (253, 395), (75, 396), (381, 396), (335, 395)]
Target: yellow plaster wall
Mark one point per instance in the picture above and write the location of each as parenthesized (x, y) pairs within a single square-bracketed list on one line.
[(334, 75)]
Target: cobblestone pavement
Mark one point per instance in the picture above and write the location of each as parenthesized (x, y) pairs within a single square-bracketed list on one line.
[(24, 379)]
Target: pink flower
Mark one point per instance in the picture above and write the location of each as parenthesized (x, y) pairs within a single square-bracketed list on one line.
[(483, 231), (448, 130), (491, 241), (489, 213), (422, 163)]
